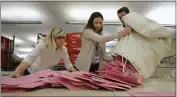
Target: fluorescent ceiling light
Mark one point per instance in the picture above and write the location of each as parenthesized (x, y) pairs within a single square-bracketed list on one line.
[(24, 49), (109, 15), (83, 14), (22, 55), (107, 50), (19, 14), (163, 15), (18, 41), (33, 39)]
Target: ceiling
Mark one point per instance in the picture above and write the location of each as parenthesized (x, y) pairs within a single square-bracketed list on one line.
[(54, 13)]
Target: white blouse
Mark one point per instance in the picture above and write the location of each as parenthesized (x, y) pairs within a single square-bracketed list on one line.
[(39, 58)]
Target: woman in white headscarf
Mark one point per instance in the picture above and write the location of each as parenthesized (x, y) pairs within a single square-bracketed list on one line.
[(48, 52)]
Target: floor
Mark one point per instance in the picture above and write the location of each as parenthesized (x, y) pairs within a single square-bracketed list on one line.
[(151, 85)]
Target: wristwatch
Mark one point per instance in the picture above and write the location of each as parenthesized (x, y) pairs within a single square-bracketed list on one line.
[(75, 68)]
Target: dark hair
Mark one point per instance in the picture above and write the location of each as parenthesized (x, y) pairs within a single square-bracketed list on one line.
[(123, 9), (90, 21)]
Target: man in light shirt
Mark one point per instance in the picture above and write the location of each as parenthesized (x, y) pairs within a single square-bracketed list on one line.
[(120, 13)]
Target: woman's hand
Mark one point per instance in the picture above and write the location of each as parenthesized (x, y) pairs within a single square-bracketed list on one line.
[(15, 75), (71, 69), (19, 70), (124, 32)]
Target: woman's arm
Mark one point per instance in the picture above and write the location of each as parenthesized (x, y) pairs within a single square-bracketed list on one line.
[(90, 34), (66, 59), (124, 32), (20, 69), (32, 56)]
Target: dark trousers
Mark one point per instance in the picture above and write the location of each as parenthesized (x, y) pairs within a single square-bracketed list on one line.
[(26, 72), (94, 67)]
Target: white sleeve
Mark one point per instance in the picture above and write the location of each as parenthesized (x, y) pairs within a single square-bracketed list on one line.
[(34, 54), (66, 59), (89, 34)]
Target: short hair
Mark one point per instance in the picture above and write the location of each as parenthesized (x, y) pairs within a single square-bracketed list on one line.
[(123, 9)]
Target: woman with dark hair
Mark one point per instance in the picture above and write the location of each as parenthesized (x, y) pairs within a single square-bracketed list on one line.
[(92, 52)]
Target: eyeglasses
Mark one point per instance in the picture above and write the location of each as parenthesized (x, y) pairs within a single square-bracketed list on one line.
[(61, 37)]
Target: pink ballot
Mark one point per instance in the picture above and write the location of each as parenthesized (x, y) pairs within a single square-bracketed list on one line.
[(167, 94), (111, 79)]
